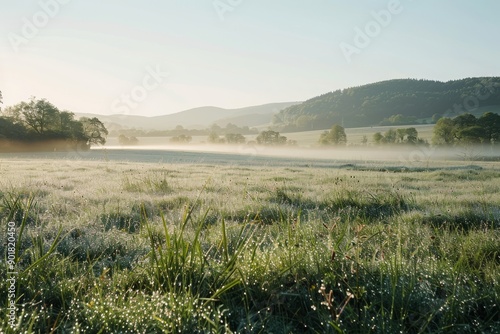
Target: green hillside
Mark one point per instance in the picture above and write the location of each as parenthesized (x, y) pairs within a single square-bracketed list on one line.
[(417, 101)]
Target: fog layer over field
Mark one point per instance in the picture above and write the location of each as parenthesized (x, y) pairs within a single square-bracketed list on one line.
[(402, 154), (404, 157)]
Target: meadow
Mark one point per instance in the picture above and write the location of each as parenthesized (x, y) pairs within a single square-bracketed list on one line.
[(110, 245)]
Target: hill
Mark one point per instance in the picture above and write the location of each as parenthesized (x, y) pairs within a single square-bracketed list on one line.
[(392, 102), (201, 117)]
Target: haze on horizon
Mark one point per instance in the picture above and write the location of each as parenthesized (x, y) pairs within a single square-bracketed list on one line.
[(86, 56)]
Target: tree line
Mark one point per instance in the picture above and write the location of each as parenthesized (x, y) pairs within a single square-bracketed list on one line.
[(179, 130), (38, 124), (467, 129), (267, 137), (407, 136), (336, 136)]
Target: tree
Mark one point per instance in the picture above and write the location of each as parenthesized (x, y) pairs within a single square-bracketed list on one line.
[(444, 132), (336, 136), (181, 139), (465, 120), (11, 131), (490, 123), (214, 138), (404, 136), (399, 136), (124, 140), (411, 136), (378, 138), (39, 115), (13, 113), (235, 138), (271, 138), (470, 135), (94, 130), (66, 119), (231, 128), (68, 127), (390, 136)]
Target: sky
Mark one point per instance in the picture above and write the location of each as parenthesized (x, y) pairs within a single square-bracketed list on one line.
[(157, 57)]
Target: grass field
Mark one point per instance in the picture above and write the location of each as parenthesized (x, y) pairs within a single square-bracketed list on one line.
[(111, 246)]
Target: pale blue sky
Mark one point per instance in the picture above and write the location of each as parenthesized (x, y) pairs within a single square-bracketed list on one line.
[(91, 54)]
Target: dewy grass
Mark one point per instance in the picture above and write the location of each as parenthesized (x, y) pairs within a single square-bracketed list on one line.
[(276, 250), (153, 182)]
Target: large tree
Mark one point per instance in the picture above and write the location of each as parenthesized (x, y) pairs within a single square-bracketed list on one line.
[(94, 130), (39, 115), (444, 132), (336, 136)]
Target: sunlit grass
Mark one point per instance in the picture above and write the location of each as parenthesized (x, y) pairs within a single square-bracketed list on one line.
[(144, 248)]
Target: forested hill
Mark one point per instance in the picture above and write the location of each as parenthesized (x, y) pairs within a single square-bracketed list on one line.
[(401, 101)]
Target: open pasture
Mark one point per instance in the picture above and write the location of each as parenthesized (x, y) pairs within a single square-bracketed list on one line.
[(112, 246)]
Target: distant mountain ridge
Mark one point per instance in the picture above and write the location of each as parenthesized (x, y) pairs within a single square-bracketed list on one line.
[(391, 102), (372, 104), (201, 117)]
